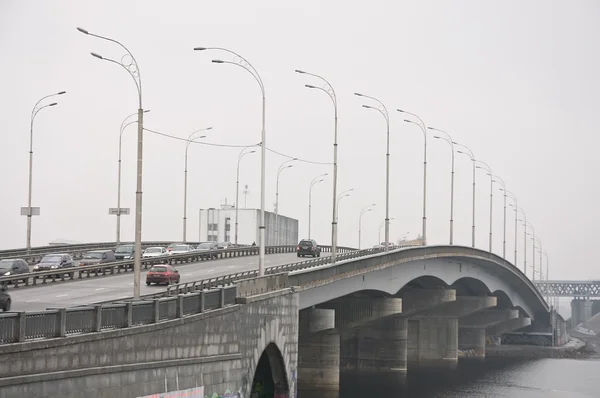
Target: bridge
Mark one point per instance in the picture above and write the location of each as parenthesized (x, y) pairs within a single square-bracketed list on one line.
[(303, 325), (582, 305)]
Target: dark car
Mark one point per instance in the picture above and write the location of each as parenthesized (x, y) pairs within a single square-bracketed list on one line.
[(97, 257), (4, 298), (125, 252), (163, 273), (308, 247), (54, 261), (206, 247), (13, 266)]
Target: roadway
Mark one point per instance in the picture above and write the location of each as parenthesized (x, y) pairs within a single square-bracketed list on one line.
[(119, 286)]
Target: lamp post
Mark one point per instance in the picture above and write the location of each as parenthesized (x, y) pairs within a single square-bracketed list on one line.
[(187, 147), (314, 181), (423, 128), (362, 211), (328, 89), (469, 153), (448, 139), (519, 210), (547, 276), (503, 189), (243, 63), (381, 226), (487, 168), (237, 190), (383, 110), (527, 224), (131, 66), (340, 197), (120, 211), (28, 210), (281, 168), (514, 198)]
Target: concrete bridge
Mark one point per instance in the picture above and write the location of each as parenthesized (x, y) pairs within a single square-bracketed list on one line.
[(302, 327)]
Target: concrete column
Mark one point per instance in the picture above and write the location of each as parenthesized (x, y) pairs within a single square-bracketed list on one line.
[(318, 351), (351, 312), (381, 346), (581, 311), (471, 343), (432, 343)]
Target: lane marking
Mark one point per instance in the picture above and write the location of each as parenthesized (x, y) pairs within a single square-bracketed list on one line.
[(62, 295), (211, 270), (100, 288), (188, 274), (32, 301), (231, 266)]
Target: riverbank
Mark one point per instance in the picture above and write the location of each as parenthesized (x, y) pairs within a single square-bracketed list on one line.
[(574, 349)]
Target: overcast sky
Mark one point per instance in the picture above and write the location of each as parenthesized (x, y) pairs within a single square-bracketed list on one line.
[(515, 81)]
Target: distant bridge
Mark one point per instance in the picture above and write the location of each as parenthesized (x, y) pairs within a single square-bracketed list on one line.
[(577, 289)]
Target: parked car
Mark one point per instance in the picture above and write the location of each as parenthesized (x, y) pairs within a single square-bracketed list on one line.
[(155, 252), (125, 252), (97, 257), (163, 273), (181, 248), (308, 247), (54, 261), (206, 247), (224, 245), (13, 266), (172, 245), (5, 300)]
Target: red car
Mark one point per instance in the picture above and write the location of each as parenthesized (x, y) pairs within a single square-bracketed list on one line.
[(163, 273)]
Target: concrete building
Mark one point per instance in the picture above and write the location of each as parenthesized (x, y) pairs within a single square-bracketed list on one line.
[(218, 225)]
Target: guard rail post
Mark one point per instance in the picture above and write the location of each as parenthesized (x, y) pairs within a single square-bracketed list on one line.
[(222, 298), (179, 311), (97, 318), (156, 311), (61, 324), (201, 302), (128, 314), (21, 326)]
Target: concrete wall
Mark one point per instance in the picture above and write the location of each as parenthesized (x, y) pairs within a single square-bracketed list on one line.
[(218, 350)]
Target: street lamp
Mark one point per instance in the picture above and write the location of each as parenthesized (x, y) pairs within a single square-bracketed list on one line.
[(469, 153), (362, 211), (448, 139), (519, 210), (514, 198), (503, 189), (540, 250), (314, 181), (120, 211), (237, 189), (281, 168), (28, 210), (383, 110), (423, 128), (528, 224), (187, 146), (328, 89), (243, 63), (131, 66), (381, 226), (487, 168), (340, 197)]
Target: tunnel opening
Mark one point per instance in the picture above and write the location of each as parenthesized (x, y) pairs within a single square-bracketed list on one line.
[(270, 379)]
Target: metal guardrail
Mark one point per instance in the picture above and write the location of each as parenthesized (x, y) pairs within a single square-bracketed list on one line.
[(81, 272), (18, 327)]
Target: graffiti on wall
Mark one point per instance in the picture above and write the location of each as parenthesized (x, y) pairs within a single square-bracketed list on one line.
[(226, 394), (293, 384)]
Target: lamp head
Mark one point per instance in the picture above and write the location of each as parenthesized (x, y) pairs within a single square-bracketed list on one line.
[(299, 71), (218, 61), (61, 93), (52, 104), (83, 31), (199, 48), (358, 94), (309, 86), (97, 55)]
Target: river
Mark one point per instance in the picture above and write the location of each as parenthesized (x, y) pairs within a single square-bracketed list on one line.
[(496, 377)]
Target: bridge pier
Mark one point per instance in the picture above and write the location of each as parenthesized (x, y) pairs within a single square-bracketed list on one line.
[(581, 311), (432, 343), (318, 350)]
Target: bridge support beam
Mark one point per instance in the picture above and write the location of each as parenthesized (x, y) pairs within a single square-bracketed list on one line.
[(432, 343), (471, 343), (581, 311), (507, 326), (318, 351)]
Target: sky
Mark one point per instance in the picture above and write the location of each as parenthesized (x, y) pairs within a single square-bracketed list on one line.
[(514, 81)]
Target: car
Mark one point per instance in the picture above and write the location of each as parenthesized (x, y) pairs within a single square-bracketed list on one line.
[(125, 252), (155, 252), (172, 245), (54, 261), (181, 248), (97, 257), (5, 300), (163, 273), (207, 246), (13, 266), (308, 247), (224, 245)]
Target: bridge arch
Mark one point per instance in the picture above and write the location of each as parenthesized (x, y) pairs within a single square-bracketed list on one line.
[(270, 376)]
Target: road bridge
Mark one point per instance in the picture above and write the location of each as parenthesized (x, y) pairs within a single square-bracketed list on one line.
[(305, 324), (585, 294)]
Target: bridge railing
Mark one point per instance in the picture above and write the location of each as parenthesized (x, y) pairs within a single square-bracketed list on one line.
[(61, 322), (80, 272)]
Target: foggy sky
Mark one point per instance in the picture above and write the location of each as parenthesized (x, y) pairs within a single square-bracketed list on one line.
[(515, 81)]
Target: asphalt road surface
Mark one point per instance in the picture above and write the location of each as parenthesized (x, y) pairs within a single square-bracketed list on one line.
[(104, 288)]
